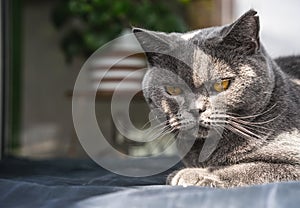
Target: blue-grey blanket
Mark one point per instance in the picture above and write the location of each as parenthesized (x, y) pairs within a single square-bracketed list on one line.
[(81, 183)]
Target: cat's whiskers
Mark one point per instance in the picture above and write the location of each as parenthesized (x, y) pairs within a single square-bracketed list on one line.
[(156, 129), (163, 133), (248, 124), (174, 123), (160, 138), (238, 132), (268, 121), (256, 128), (159, 134), (252, 116), (244, 128), (168, 127), (164, 128), (216, 128), (150, 121)]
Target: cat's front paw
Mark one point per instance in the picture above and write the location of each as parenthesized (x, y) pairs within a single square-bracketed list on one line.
[(194, 177)]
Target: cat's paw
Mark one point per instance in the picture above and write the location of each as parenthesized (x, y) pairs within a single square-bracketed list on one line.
[(194, 177)]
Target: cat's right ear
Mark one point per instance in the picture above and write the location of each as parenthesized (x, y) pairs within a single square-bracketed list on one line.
[(153, 43), (243, 34)]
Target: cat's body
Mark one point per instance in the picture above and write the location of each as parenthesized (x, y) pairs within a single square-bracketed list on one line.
[(251, 125)]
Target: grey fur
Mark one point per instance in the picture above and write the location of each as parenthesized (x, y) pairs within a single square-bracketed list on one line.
[(259, 112)]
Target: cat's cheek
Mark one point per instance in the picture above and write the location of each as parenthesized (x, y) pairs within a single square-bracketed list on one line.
[(218, 101)]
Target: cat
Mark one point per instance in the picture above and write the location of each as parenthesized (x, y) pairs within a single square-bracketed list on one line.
[(220, 81)]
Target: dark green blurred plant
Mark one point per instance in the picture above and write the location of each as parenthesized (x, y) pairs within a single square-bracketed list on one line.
[(88, 24)]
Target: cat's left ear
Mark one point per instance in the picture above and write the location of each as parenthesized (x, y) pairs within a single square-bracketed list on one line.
[(243, 34), (153, 43)]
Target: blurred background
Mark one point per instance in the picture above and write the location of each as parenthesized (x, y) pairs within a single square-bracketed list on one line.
[(45, 43)]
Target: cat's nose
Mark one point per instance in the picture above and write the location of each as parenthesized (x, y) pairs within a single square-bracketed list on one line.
[(197, 111), (199, 106)]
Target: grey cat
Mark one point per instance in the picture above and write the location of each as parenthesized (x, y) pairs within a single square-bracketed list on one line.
[(220, 87)]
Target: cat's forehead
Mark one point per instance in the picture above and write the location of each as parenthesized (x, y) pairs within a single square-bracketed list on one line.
[(197, 63), (203, 34), (202, 67)]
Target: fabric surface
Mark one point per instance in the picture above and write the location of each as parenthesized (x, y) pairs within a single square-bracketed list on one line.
[(82, 183)]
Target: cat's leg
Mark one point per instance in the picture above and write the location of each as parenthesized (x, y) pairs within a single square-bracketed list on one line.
[(194, 177), (236, 175)]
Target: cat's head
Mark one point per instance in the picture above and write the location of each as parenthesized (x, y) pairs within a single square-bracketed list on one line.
[(204, 77)]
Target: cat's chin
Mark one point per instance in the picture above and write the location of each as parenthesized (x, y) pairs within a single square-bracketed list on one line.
[(202, 132), (195, 133)]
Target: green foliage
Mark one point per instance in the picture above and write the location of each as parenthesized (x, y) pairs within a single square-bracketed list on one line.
[(88, 24)]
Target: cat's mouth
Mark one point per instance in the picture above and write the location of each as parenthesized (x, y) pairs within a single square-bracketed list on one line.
[(202, 132), (196, 130)]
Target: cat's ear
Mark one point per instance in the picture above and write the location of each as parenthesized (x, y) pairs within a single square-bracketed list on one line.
[(243, 34), (153, 43)]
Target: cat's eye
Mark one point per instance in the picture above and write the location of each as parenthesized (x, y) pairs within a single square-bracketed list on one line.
[(172, 90), (222, 85)]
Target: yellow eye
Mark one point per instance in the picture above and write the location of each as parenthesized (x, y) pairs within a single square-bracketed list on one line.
[(222, 85), (173, 90)]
